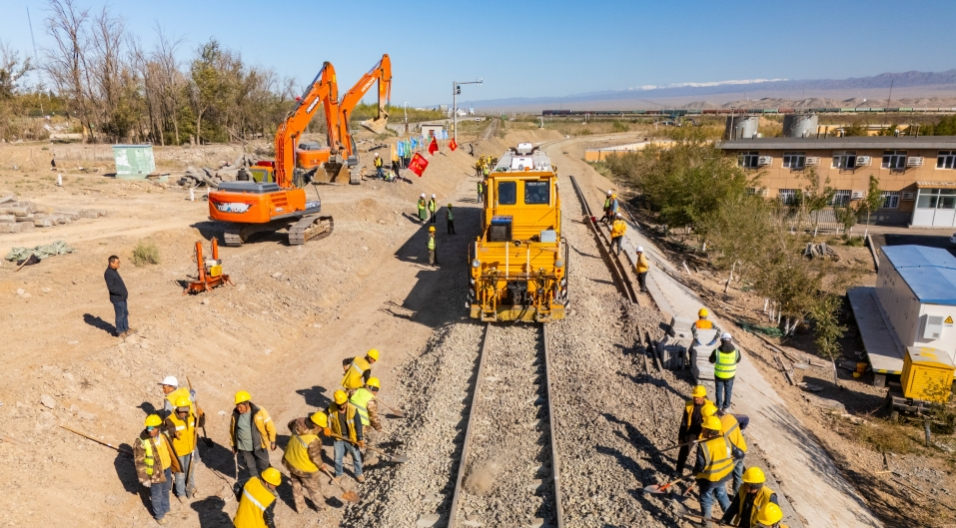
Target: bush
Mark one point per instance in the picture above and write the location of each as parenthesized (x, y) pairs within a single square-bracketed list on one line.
[(145, 253), (618, 126), (885, 437), (856, 241)]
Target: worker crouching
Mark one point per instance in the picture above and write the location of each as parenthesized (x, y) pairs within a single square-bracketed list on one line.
[(752, 497), (358, 371), (155, 464), (715, 463), (303, 459), (257, 501), (346, 427)]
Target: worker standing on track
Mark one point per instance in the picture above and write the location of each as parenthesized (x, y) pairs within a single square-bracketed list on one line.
[(641, 267), (345, 422), (732, 428), (690, 425), (752, 497), (303, 459), (379, 164), (618, 228), (481, 190), (771, 515), (422, 212), (257, 501), (181, 428), (432, 248), (479, 166), (155, 465), (725, 359), (251, 434), (433, 208), (703, 323), (358, 370), (450, 220), (607, 207), (715, 463)]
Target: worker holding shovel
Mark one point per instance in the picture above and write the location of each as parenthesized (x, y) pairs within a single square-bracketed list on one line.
[(303, 459), (181, 428), (715, 464), (346, 426)]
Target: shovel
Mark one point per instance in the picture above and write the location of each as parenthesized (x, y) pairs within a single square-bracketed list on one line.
[(394, 411), (692, 442), (398, 459), (658, 489), (205, 437), (349, 496), (683, 513)]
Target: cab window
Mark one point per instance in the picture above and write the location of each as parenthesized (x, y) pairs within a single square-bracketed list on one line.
[(507, 193), (537, 192)]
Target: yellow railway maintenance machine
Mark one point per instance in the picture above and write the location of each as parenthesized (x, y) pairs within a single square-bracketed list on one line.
[(519, 263)]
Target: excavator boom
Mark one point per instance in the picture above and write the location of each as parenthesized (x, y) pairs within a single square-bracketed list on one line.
[(323, 90), (381, 72)]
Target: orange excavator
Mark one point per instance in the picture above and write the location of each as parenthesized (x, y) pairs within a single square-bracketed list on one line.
[(272, 198), (342, 152)]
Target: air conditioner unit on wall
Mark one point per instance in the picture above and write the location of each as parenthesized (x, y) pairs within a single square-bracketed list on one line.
[(914, 161), (908, 196), (863, 161), (856, 195), (763, 161), (811, 161)]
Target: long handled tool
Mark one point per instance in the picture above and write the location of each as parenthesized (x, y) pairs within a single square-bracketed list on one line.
[(349, 496), (393, 410), (682, 512), (662, 488), (685, 444), (205, 437), (398, 459), (88, 437)]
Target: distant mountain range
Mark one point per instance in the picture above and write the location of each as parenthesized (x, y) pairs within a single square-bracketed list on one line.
[(906, 84)]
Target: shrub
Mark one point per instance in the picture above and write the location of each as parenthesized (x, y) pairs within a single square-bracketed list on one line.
[(145, 253)]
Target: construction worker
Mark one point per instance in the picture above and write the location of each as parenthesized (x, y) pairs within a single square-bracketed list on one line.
[(155, 465), (613, 208), (641, 267), (257, 501), (751, 498), (725, 359), (703, 323), (481, 189), (251, 434), (479, 166), (422, 212), (358, 370), (715, 463), (181, 429), (367, 407), (303, 459), (732, 428), (771, 515), (690, 425), (618, 228), (432, 250), (450, 220), (607, 207), (379, 164), (433, 208), (345, 424)]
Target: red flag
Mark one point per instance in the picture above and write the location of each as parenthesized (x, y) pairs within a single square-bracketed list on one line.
[(433, 147), (418, 164), (452, 145)]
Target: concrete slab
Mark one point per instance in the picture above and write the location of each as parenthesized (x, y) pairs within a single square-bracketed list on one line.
[(808, 477), (883, 347)]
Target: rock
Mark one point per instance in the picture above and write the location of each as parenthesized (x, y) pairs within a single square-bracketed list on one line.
[(426, 521), (48, 401)]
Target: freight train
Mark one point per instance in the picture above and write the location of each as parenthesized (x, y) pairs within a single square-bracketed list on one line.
[(519, 262)]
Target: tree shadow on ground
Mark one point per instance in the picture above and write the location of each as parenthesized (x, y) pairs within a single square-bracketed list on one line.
[(100, 324)]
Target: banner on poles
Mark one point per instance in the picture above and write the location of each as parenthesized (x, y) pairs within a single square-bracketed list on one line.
[(418, 164)]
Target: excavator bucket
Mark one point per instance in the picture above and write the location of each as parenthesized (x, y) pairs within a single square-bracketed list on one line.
[(376, 125)]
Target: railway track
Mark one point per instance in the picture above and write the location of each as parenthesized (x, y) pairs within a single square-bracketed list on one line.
[(509, 472)]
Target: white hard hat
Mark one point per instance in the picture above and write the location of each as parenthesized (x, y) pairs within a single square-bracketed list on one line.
[(376, 154), (609, 192), (171, 381), (433, 196), (423, 195), (618, 215), (640, 249), (725, 337)]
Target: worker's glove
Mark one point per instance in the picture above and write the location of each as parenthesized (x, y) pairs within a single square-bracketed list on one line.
[(146, 484), (712, 343), (698, 343), (738, 453), (327, 431), (361, 444)]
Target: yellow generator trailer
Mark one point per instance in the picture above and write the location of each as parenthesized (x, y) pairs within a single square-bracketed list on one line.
[(519, 263)]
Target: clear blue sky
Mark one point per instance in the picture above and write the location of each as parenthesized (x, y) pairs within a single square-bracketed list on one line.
[(538, 48)]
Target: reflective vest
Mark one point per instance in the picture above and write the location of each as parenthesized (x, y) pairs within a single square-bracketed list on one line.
[(378, 162), (186, 429), (451, 216), (431, 243), (360, 400), (726, 365), (642, 266), (256, 498), (718, 461), (704, 324), (618, 228), (730, 429), (149, 459), (350, 418), (421, 204), (353, 376), (485, 171), (176, 394), (481, 188), (297, 452), (432, 206), (689, 409), (607, 203), (762, 499)]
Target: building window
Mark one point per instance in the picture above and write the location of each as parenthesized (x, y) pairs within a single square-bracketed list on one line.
[(946, 159), (894, 159), (537, 193), (841, 198), (748, 159), (844, 159), (891, 199), (936, 199), (787, 196), (794, 160), (751, 191)]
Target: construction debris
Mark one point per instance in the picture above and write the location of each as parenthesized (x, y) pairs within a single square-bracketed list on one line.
[(229, 172), (821, 250), (19, 216), (20, 254)]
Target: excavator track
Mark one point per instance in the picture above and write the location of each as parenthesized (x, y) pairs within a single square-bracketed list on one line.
[(313, 227), (232, 235)]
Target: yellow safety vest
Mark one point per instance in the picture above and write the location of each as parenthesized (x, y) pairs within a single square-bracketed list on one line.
[(297, 452), (349, 417), (256, 498), (432, 205), (164, 456), (703, 324), (378, 162), (353, 376), (718, 460), (148, 460), (730, 429), (421, 205), (431, 243), (186, 430), (360, 400), (618, 228), (762, 499), (689, 408), (176, 394), (642, 265), (481, 187), (607, 204), (726, 366)]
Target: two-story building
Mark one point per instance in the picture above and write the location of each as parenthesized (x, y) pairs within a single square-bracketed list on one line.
[(917, 175)]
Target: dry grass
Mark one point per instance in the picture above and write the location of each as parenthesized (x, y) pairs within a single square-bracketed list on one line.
[(145, 253)]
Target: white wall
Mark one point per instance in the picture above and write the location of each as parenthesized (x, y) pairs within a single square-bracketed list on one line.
[(898, 302), (947, 340)]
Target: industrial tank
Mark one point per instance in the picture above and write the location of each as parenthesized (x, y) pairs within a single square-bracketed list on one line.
[(741, 127), (800, 125)]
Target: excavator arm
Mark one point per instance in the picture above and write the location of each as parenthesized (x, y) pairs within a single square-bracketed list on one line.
[(323, 90), (381, 72)]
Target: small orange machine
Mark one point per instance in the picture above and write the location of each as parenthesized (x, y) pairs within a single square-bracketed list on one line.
[(210, 271)]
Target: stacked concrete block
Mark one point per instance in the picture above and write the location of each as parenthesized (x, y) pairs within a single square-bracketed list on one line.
[(700, 365), (25, 215)]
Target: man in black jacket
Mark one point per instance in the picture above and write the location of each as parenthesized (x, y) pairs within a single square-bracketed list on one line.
[(118, 296)]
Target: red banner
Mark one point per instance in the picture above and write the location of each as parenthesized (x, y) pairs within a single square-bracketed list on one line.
[(452, 145), (433, 147), (418, 164)]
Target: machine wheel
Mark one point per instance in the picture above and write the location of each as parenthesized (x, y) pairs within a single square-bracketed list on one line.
[(311, 227)]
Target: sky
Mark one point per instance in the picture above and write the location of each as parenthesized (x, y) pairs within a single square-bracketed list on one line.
[(537, 48)]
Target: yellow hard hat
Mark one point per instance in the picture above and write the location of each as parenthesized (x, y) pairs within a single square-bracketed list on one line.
[(703, 312), (320, 419), (340, 397), (431, 229), (712, 423), (374, 382), (699, 392), (242, 397), (708, 410), (153, 420), (754, 475), (372, 354), (183, 401), (272, 476), (769, 515)]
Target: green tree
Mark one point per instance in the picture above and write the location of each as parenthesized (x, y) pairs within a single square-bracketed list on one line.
[(827, 330), (871, 201), (208, 86), (816, 196), (857, 129)]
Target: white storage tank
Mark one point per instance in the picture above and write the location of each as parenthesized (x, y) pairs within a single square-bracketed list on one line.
[(800, 125), (741, 127)]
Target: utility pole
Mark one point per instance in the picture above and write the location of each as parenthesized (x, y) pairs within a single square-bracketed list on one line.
[(455, 90), (406, 118)]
